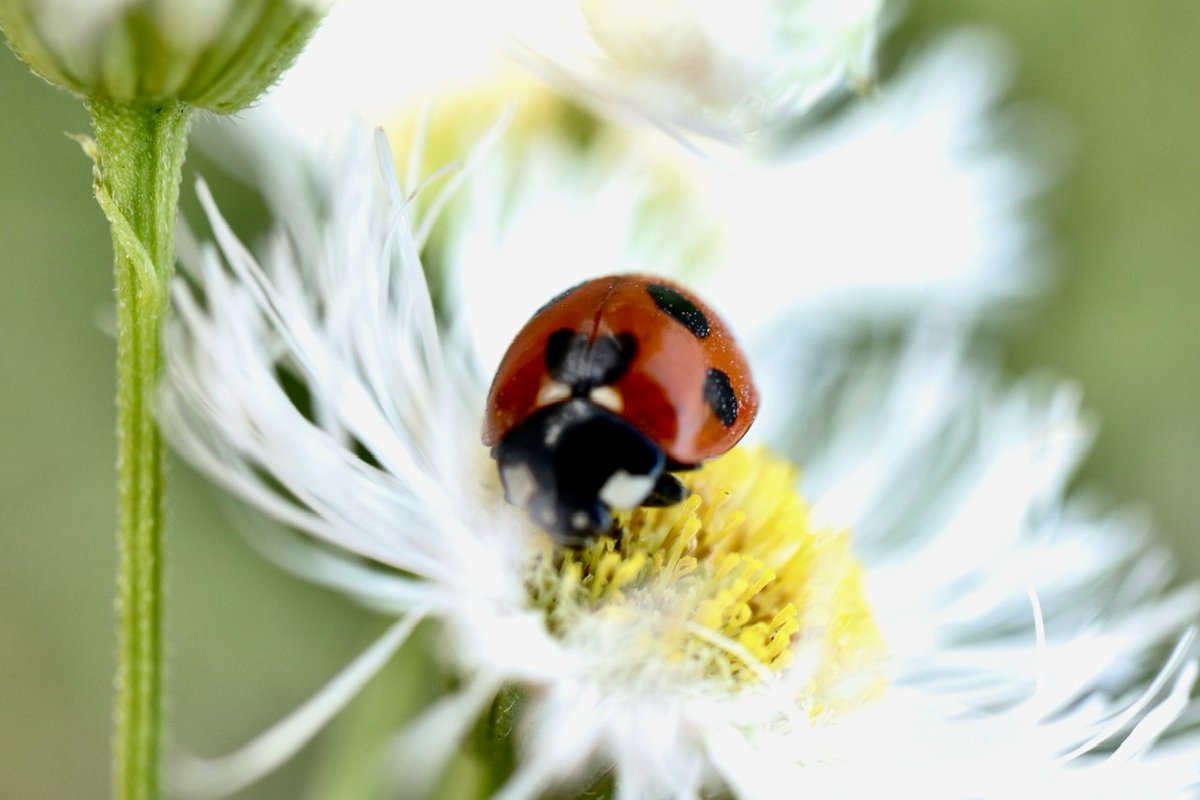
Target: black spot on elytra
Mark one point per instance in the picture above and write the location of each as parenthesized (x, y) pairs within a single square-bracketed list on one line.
[(679, 308), (582, 364), (718, 393)]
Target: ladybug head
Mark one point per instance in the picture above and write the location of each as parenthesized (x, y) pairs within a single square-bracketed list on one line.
[(570, 464)]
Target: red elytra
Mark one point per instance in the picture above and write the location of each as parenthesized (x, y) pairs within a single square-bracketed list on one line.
[(687, 388)]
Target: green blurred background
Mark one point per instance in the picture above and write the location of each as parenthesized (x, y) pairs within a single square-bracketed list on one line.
[(247, 642)]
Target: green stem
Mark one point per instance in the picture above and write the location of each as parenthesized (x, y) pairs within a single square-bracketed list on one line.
[(139, 150)]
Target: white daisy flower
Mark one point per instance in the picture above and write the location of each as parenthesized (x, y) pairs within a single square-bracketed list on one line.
[(925, 612)]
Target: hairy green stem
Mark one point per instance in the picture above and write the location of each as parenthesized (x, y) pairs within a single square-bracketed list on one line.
[(139, 151)]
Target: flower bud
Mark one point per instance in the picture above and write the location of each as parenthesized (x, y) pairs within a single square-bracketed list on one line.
[(214, 54)]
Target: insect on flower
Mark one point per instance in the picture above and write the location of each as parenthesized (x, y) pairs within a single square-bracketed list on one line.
[(613, 385), (939, 623)]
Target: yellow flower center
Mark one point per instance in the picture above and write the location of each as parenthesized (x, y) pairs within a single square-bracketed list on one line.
[(735, 581)]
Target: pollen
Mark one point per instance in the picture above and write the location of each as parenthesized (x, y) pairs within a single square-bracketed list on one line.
[(732, 584)]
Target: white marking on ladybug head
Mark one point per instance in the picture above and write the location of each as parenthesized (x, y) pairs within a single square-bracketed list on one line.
[(579, 520), (552, 391), (519, 483), (554, 432), (607, 397), (623, 490)]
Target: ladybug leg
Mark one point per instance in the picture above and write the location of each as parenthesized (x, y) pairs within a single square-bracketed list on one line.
[(583, 528), (616, 533), (668, 490)]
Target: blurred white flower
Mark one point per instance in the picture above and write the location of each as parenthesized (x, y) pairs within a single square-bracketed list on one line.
[(726, 70), (372, 58), (1026, 639), (729, 70), (216, 54)]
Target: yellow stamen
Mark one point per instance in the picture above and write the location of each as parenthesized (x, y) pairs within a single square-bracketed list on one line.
[(738, 562)]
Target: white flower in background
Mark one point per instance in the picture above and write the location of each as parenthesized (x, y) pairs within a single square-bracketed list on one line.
[(940, 622), (372, 57), (214, 54), (728, 70), (725, 69)]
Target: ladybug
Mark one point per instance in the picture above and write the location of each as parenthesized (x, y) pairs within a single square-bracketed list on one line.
[(609, 388)]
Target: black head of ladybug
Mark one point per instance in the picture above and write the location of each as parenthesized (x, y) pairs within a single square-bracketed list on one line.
[(571, 463)]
